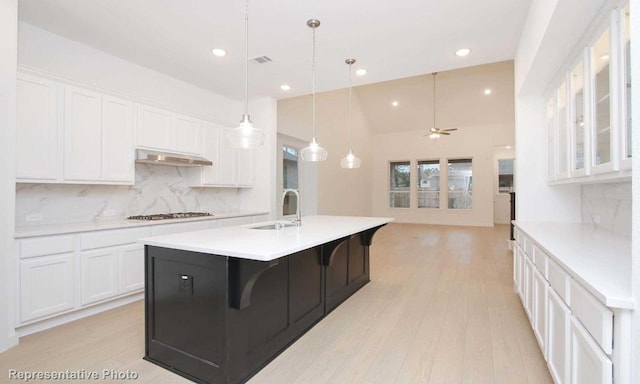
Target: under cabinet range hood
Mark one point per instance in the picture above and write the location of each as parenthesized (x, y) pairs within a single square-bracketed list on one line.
[(168, 158)]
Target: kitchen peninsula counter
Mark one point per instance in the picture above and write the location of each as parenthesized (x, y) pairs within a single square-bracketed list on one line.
[(220, 304)]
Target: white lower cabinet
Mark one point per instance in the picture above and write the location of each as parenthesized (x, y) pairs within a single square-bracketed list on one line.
[(99, 274), (46, 285), (540, 293), (528, 287), (573, 328), (589, 364), (558, 337), (131, 265)]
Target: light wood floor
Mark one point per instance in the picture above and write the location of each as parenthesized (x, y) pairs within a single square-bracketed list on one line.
[(440, 308)]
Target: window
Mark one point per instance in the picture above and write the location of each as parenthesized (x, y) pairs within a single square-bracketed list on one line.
[(399, 184), (429, 184), (289, 178), (505, 176), (459, 183)]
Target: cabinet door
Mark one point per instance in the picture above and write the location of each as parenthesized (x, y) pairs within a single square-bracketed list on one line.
[(211, 139), (83, 134), (226, 160), (117, 140), (551, 139), (540, 292), (562, 133), (131, 266), (244, 167), (187, 135), (46, 286), (558, 337), (528, 288), (625, 86), (589, 364), (37, 155), (579, 121), (99, 269), (153, 128)]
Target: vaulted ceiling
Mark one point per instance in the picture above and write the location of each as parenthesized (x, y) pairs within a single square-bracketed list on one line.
[(392, 39)]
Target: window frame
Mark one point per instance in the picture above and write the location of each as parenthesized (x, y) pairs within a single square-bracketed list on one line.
[(410, 187), (459, 159), (417, 188)]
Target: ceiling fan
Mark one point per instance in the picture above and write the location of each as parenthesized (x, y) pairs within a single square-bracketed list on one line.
[(434, 133)]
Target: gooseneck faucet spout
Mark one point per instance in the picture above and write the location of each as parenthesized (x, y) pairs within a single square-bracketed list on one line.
[(298, 220)]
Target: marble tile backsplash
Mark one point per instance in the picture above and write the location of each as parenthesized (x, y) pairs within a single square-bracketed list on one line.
[(608, 206), (157, 189)]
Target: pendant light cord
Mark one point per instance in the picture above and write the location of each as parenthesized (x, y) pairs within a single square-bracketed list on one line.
[(350, 113), (313, 85), (246, 63)]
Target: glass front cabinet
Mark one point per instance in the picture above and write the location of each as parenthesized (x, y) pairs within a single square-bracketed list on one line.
[(589, 107)]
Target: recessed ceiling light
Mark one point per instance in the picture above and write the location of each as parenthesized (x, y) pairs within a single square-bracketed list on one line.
[(394, 103), (285, 87), (604, 57), (508, 147), (361, 72), (463, 52), (219, 52), (487, 91)]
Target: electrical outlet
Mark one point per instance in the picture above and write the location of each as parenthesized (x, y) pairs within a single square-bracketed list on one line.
[(596, 219), (108, 213), (33, 217)]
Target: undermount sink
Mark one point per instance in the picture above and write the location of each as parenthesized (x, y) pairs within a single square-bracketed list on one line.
[(274, 226)]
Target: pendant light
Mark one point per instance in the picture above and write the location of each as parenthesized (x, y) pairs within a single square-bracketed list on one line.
[(314, 152), (245, 135), (350, 161)]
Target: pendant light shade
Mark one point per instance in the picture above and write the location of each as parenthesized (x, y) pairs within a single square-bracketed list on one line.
[(350, 161), (245, 136), (314, 152)]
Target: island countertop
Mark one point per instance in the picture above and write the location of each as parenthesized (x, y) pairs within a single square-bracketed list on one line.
[(245, 242)]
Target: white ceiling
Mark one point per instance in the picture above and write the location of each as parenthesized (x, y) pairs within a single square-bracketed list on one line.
[(392, 39)]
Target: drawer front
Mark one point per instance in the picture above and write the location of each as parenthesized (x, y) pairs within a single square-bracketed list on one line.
[(111, 238), (46, 245), (559, 280), (593, 315), (540, 260)]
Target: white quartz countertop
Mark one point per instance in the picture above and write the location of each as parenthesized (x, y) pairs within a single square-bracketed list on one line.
[(599, 260), (264, 244), (56, 229)]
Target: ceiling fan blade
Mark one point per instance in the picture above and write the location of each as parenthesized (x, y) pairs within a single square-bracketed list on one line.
[(443, 133), (450, 129)]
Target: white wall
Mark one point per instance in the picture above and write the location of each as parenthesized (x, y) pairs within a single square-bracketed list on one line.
[(477, 143), (46, 51), (340, 191), (8, 60), (635, 240)]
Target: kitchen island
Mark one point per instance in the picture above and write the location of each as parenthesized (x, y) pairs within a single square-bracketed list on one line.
[(221, 303)]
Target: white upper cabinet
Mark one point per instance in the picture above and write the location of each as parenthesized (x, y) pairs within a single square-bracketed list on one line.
[(38, 118), (578, 121), (153, 127), (624, 68), (159, 129), (588, 115), (117, 139), (187, 134), (231, 167), (602, 101), (69, 134), (82, 134)]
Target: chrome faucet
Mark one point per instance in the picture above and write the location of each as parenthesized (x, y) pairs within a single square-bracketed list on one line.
[(298, 220)]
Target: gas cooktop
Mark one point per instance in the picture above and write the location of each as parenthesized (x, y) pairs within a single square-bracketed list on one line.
[(167, 216)]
